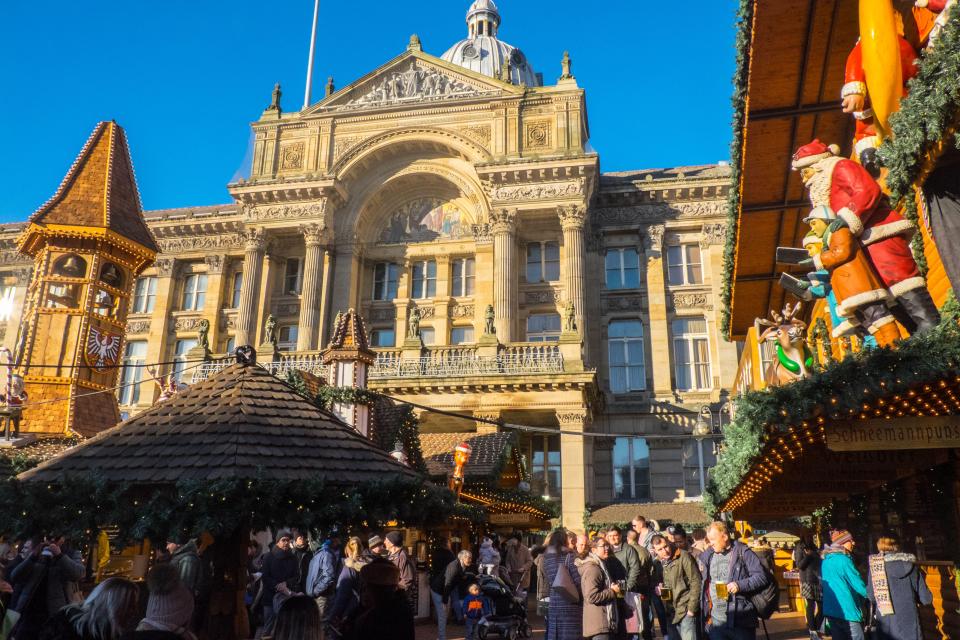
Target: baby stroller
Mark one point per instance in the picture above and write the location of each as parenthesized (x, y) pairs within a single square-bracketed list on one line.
[(509, 619)]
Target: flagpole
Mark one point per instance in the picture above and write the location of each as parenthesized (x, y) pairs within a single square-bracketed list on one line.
[(313, 46)]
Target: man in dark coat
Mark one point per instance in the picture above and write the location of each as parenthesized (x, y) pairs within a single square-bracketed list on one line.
[(738, 571), (408, 570), (455, 582), (280, 575), (185, 557), (44, 582), (440, 559), (303, 553)]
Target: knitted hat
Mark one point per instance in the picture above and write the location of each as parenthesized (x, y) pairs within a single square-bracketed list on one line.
[(840, 537), (395, 538), (810, 154), (374, 542), (170, 603), (284, 533)]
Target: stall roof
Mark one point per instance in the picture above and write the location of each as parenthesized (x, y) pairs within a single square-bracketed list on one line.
[(486, 458), (690, 513), (797, 53)]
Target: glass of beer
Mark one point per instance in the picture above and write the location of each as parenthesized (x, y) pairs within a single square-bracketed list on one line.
[(623, 588), (722, 592), (666, 594)]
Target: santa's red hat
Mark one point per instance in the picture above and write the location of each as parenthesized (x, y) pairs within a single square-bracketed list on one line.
[(813, 153)]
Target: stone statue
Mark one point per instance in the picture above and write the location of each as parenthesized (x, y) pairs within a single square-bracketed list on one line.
[(414, 325), (275, 98), (270, 331), (569, 318), (203, 334), (488, 317), (566, 64)]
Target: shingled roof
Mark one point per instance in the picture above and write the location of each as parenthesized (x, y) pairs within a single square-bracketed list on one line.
[(100, 190), (688, 513), (241, 423), (485, 459)]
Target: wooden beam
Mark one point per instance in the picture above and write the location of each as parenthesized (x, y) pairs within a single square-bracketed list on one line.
[(793, 112)]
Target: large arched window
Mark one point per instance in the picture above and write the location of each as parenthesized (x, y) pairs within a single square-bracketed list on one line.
[(625, 350)]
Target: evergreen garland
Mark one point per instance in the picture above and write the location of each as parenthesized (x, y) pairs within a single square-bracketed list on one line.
[(741, 80), (927, 117), (834, 393)]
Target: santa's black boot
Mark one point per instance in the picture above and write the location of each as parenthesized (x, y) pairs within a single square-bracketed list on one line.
[(918, 303), (870, 160)]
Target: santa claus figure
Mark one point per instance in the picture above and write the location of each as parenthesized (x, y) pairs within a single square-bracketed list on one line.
[(846, 188), (857, 102)]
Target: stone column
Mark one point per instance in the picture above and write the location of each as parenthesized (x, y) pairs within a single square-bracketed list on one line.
[(572, 219), (576, 463), (309, 329), (254, 246), (503, 227), (660, 344), (160, 344)]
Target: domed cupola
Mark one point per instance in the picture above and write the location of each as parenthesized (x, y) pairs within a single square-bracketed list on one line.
[(482, 52)]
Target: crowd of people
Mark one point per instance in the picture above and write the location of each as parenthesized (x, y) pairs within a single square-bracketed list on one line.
[(839, 601)]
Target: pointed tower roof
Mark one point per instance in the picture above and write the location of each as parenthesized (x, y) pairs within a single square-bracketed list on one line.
[(232, 425), (349, 340), (99, 192)]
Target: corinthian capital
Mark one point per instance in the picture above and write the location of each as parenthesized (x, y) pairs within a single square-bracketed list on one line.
[(313, 234), (655, 237), (503, 221), (572, 216), (254, 239)]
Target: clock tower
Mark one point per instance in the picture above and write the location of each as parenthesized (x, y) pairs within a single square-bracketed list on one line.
[(88, 242)]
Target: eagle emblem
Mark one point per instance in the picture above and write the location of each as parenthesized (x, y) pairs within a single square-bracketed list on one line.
[(103, 349)]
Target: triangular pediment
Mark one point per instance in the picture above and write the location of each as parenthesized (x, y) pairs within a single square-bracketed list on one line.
[(414, 78)]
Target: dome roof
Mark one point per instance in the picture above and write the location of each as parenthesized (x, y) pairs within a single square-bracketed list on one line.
[(482, 52)]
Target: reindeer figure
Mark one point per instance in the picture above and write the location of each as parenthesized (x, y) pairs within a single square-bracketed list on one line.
[(793, 358)]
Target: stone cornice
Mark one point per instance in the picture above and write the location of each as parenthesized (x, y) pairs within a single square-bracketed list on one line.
[(287, 189), (658, 212), (583, 382)]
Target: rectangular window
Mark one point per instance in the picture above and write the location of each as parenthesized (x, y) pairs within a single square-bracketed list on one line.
[(683, 264), (180, 357), (631, 469), (691, 354), (293, 279), (231, 345), (625, 350), (543, 327), (194, 292), (237, 286), (545, 466), (287, 338), (383, 338), (134, 357), (6, 303), (145, 295), (463, 277), (424, 280), (543, 262), (623, 268), (428, 336), (461, 335), (385, 278)]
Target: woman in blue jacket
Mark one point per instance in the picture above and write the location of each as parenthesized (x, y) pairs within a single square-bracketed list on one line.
[(844, 591)]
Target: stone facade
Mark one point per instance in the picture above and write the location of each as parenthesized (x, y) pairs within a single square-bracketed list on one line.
[(457, 207)]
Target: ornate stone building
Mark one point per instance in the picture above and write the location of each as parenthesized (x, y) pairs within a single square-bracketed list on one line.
[(455, 203)]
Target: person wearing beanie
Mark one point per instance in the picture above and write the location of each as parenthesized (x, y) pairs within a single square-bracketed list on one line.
[(280, 575), (408, 572), (844, 590), (169, 608)]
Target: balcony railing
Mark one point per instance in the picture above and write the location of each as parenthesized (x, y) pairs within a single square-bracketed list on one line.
[(448, 362)]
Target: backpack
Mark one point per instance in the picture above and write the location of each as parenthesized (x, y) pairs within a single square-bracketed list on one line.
[(766, 600)]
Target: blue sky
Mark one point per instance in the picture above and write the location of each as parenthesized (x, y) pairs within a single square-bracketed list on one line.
[(186, 77)]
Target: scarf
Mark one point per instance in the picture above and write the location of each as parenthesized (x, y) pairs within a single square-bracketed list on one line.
[(610, 609), (881, 588)]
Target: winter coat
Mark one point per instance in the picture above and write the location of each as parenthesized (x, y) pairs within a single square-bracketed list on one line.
[(187, 561), (843, 588), (321, 577), (392, 619), (808, 564), (61, 626), (62, 575), (304, 556), (408, 570), (600, 609), (682, 576), (854, 281), (454, 580), (747, 572), (440, 559), (907, 586), (646, 568), (346, 599), (489, 553), (519, 563), (624, 564), (565, 617), (278, 566)]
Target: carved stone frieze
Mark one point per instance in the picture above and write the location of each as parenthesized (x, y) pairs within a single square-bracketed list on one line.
[(539, 191), (215, 262), (462, 311), (713, 234), (344, 144), (689, 300), (286, 212), (481, 233), (478, 133), (200, 243), (382, 315), (427, 312), (23, 276), (622, 303), (413, 83), (187, 324), (138, 326), (662, 210), (537, 134), (575, 419), (165, 267), (288, 309), (291, 156), (541, 297)]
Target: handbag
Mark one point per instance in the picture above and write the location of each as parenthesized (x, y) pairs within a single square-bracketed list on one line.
[(564, 584)]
